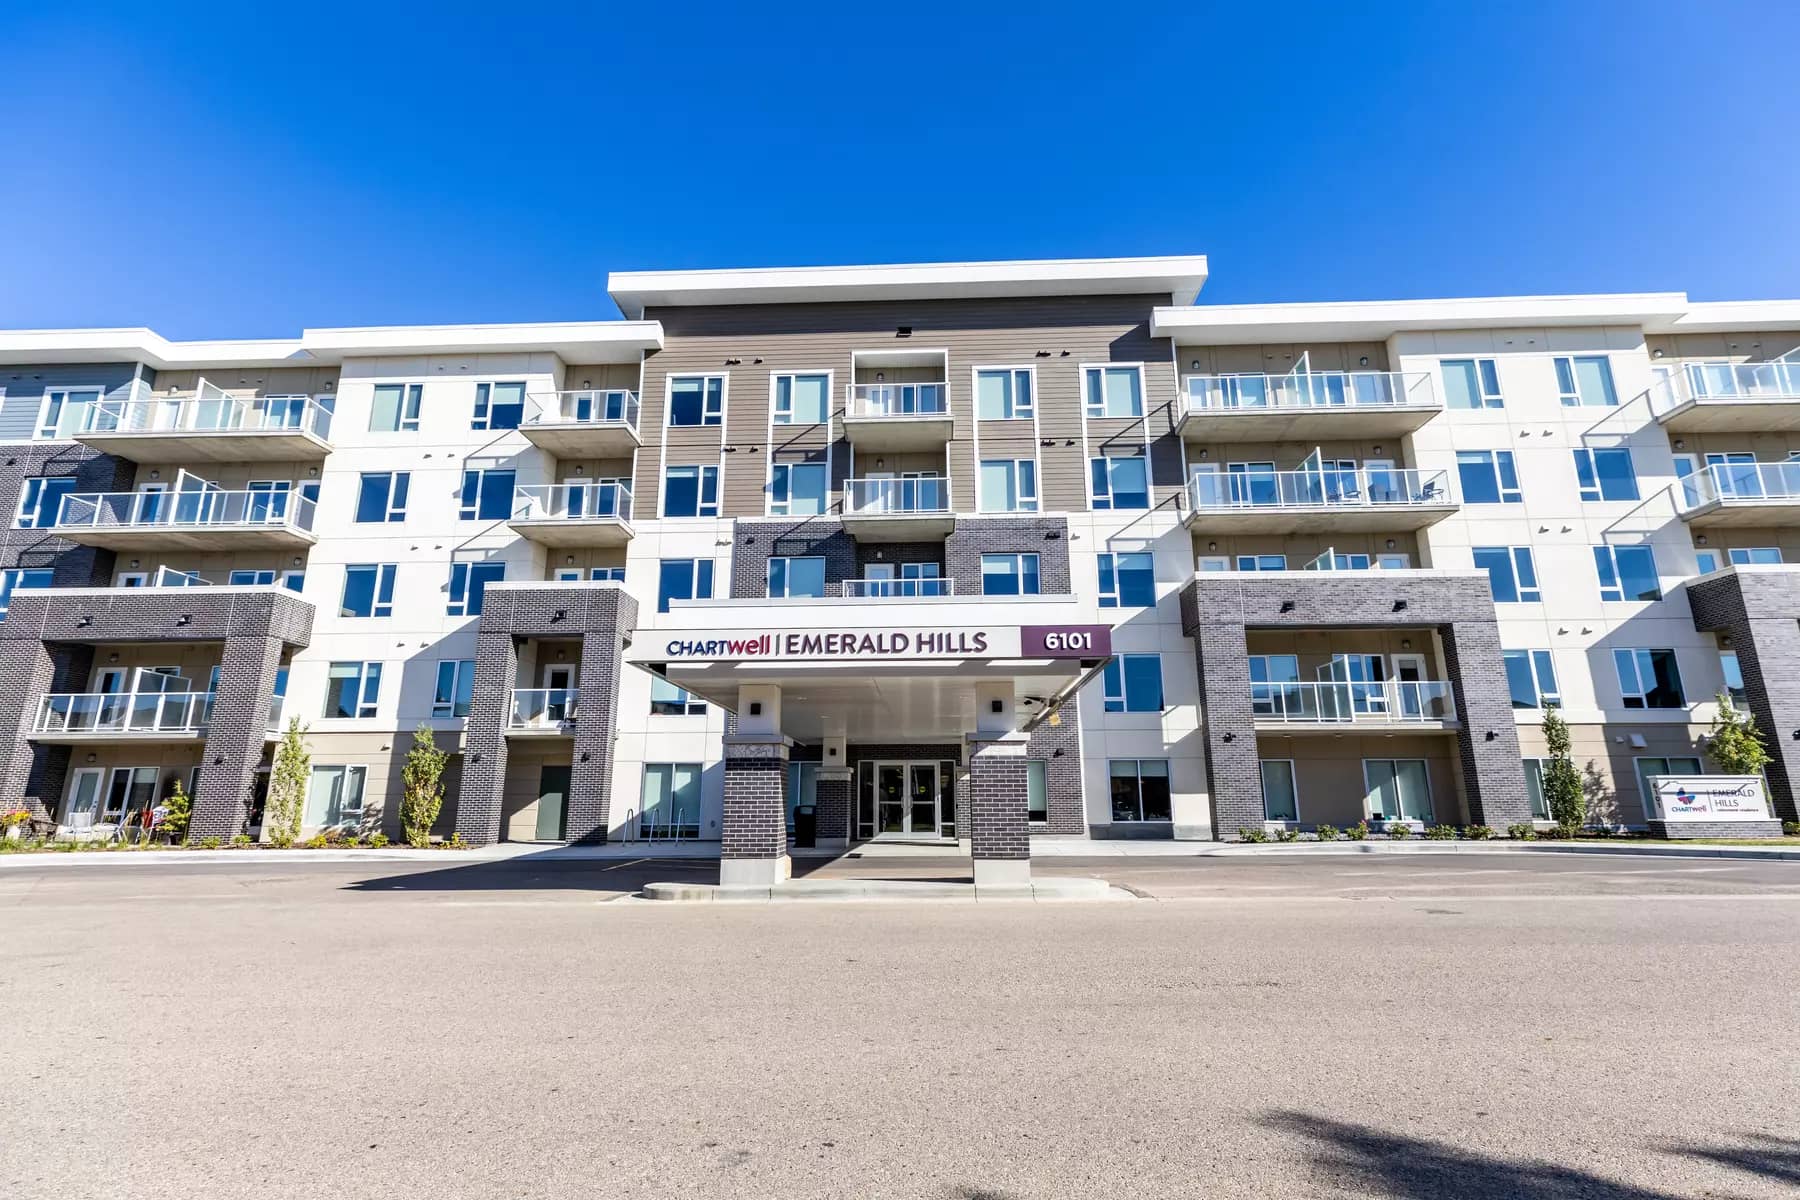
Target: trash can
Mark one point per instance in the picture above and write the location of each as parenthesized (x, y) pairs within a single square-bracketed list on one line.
[(806, 825)]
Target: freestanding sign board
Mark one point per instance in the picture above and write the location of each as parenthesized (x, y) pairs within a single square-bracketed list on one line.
[(1708, 798)]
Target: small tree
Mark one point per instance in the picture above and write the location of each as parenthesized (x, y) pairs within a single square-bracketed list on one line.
[(422, 787), (288, 780), (1736, 744), (178, 807), (1562, 783)]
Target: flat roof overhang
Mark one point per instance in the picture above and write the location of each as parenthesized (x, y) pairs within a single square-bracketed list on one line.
[(879, 690), (1319, 518), (222, 446), (1768, 512), (583, 439), (188, 537), (1378, 320), (1733, 415), (571, 533), (1324, 423)]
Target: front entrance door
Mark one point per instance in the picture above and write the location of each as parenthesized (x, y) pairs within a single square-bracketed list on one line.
[(1409, 674), (906, 799), (553, 803)]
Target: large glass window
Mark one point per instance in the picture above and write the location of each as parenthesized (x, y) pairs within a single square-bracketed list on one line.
[(487, 493), (1742, 556), (696, 399), (396, 408), (1649, 766), (1733, 672), (1531, 676), (1008, 485), (468, 584), (1037, 791), (1281, 799), (1121, 481), (1606, 474), (671, 801), (1471, 383), (1140, 789), (455, 688), (1262, 562), (801, 399), (64, 410), (499, 405), (352, 689), (683, 579), (1512, 573), (1534, 788), (368, 590), (1115, 392), (1127, 580), (1397, 788), (1627, 573), (1585, 379), (667, 700), (1009, 574), (1487, 477), (1004, 394), (797, 489), (13, 579), (802, 788), (1649, 679), (791, 578), (40, 500), (335, 796), (691, 492), (381, 496), (1133, 683)]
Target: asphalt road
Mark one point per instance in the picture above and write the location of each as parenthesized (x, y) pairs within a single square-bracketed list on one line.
[(1441, 1026)]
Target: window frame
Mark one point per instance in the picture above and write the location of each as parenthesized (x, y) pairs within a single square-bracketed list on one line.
[(1018, 572), (368, 690), (406, 411), (1017, 412), (697, 568), (775, 406), (1591, 484), (1262, 782), (399, 486), (1539, 664), (1501, 466), (1740, 695), (1520, 560), (347, 817), (31, 500), (1487, 393), (1642, 697), (1568, 380), (1108, 502), (1117, 691), (1606, 565), (381, 591), (706, 479), (1020, 468), (1137, 776), (781, 488), (471, 510), (48, 430), (683, 704), (711, 413), (787, 562), (1110, 578), (463, 606), (438, 703), (13, 578), (483, 415), (1103, 410)]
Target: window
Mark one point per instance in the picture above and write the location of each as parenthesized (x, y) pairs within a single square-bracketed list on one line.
[(797, 489), (1744, 556), (352, 689), (381, 498), (1585, 380), (1646, 767), (250, 578), (795, 577), (1003, 395), (498, 406), (1649, 679), (1121, 481), (1127, 580), (396, 408), (21, 577), (696, 399), (802, 787), (1487, 477), (1281, 800), (800, 399), (667, 700), (335, 795), (455, 688), (670, 804), (1262, 562), (368, 590), (1534, 788), (1734, 677), (1267, 671), (64, 410), (1397, 788), (1115, 392), (1037, 791), (1531, 675), (1511, 573), (1606, 474), (1008, 485), (683, 579), (1134, 683), (487, 493), (1627, 573), (691, 492), (1471, 383), (1009, 574), (607, 574), (40, 501), (1140, 789), (468, 583)]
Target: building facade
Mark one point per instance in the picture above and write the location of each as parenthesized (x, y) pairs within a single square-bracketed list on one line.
[(973, 552)]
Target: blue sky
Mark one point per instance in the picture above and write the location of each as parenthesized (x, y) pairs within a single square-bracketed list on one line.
[(244, 170)]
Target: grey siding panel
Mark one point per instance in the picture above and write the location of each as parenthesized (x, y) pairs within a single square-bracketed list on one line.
[(25, 386)]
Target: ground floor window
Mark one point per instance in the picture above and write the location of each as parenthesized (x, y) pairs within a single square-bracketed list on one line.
[(100, 795), (1534, 788), (671, 801), (1397, 788), (1140, 789), (1281, 800), (1646, 767), (335, 796), (1037, 791), (802, 788)]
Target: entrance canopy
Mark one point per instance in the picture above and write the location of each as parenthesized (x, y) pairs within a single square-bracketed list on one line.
[(878, 670)]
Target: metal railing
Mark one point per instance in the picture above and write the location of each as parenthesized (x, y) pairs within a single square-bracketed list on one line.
[(897, 400), (1317, 389), (543, 708), (1384, 702), (193, 509), (1777, 380), (1382, 487), (897, 589), (593, 406), (921, 494), (124, 712), (572, 501), (214, 411), (167, 577), (1740, 483)]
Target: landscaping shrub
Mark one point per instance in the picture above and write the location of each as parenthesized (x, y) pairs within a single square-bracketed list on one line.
[(1398, 830), (1358, 831), (1523, 831), (1246, 834), (1478, 833), (1327, 833)]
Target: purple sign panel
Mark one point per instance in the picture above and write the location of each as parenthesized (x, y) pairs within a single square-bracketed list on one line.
[(1065, 641)]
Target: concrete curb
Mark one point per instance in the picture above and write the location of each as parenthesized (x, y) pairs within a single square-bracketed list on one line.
[(878, 890)]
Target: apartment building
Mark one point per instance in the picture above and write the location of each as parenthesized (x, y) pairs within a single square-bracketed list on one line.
[(946, 552)]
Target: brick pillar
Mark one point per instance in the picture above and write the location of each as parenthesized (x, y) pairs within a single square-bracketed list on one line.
[(596, 725), (236, 736), (999, 838), (753, 845), (834, 805), (484, 738), (1234, 776), (1493, 769), (27, 670)]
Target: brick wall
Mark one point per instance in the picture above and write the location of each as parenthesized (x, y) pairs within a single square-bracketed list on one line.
[(996, 806), (754, 821), (1047, 537), (1759, 610), (834, 807)]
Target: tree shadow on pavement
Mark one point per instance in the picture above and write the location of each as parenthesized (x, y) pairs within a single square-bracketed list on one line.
[(1771, 1157), (1375, 1162)]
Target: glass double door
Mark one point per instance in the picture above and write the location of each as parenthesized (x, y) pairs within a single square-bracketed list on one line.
[(906, 799)]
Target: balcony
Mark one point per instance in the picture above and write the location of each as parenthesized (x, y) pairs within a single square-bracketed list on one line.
[(202, 518), (898, 416), (1740, 494), (898, 509), (898, 589), (1384, 499), (574, 515), (546, 712), (175, 716), (210, 427), (1317, 406), (1730, 397), (587, 424), (1294, 707)]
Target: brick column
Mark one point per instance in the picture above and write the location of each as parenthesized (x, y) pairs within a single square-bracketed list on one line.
[(753, 844), (27, 671), (236, 736), (484, 738), (999, 837), (1234, 776), (596, 725), (1493, 769), (834, 805)]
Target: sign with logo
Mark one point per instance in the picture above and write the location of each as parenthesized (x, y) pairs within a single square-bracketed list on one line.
[(903, 643), (1708, 798)]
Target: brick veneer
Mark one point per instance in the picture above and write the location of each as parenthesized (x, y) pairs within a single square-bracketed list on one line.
[(997, 800), (833, 798), (755, 542), (754, 821), (1219, 610), (1758, 608), (602, 615), (1676, 830), (72, 565)]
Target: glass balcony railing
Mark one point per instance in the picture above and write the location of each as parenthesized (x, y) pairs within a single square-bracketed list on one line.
[(1380, 487), (897, 400), (176, 713), (193, 509), (1381, 702), (573, 501), (543, 708), (1726, 383), (209, 413), (1740, 483), (597, 408), (897, 589), (897, 496), (1313, 390)]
